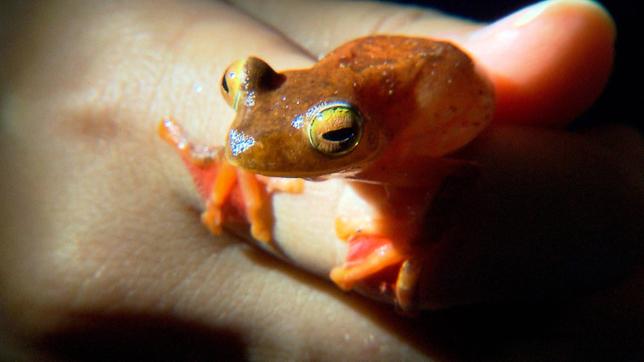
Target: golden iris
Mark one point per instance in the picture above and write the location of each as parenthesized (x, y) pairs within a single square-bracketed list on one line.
[(335, 128), (231, 82)]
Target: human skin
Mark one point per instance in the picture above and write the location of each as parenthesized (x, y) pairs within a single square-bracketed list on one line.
[(103, 252)]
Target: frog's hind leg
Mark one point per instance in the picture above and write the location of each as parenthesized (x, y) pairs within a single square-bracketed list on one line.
[(371, 254), (368, 255)]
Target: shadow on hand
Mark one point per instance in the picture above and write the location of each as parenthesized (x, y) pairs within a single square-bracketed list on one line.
[(136, 337)]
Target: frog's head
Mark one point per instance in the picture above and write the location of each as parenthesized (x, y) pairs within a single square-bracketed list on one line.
[(295, 124)]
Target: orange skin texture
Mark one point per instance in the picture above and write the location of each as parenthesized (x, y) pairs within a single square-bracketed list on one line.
[(419, 100)]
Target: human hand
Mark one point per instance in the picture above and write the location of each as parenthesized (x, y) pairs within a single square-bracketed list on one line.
[(103, 250)]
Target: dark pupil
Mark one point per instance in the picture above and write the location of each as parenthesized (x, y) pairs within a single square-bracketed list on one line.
[(224, 84), (339, 135)]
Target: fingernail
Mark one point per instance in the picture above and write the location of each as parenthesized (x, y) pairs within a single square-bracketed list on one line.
[(530, 13)]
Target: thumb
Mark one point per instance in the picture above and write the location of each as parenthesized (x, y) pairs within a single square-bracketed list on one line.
[(548, 61)]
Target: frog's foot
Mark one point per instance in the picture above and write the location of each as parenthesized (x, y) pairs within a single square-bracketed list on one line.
[(406, 285), (356, 270), (368, 255), (195, 155)]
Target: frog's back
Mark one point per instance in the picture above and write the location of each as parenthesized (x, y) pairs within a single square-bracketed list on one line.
[(384, 51), (417, 88)]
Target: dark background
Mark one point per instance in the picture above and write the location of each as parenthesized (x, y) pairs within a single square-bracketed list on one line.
[(623, 98)]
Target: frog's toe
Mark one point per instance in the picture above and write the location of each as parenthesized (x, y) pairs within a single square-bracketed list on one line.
[(406, 285), (212, 218), (261, 231), (368, 255)]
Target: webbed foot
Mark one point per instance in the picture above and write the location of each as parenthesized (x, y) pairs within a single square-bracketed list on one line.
[(369, 255)]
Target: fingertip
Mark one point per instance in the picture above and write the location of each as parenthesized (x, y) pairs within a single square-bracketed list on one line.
[(548, 61)]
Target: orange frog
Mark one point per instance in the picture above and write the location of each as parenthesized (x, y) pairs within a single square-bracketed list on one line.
[(380, 111)]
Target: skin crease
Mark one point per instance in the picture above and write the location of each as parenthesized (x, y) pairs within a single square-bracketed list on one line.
[(101, 235)]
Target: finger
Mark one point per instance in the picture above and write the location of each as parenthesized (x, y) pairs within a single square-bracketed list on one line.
[(548, 62), (320, 26), (290, 231), (567, 224), (551, 214)]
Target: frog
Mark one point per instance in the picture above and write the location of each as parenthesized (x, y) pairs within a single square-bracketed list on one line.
[(383, 112)]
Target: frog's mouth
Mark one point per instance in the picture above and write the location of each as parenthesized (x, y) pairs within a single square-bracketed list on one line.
[(276, 167), (282, 154)]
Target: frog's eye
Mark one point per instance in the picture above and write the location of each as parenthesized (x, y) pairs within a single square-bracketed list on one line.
[(232, 81), (245, 77), (335, 129)]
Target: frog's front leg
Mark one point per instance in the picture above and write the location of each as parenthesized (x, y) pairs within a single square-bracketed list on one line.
[(222, 187), (256, 205), (214, 177), (217, 179)]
